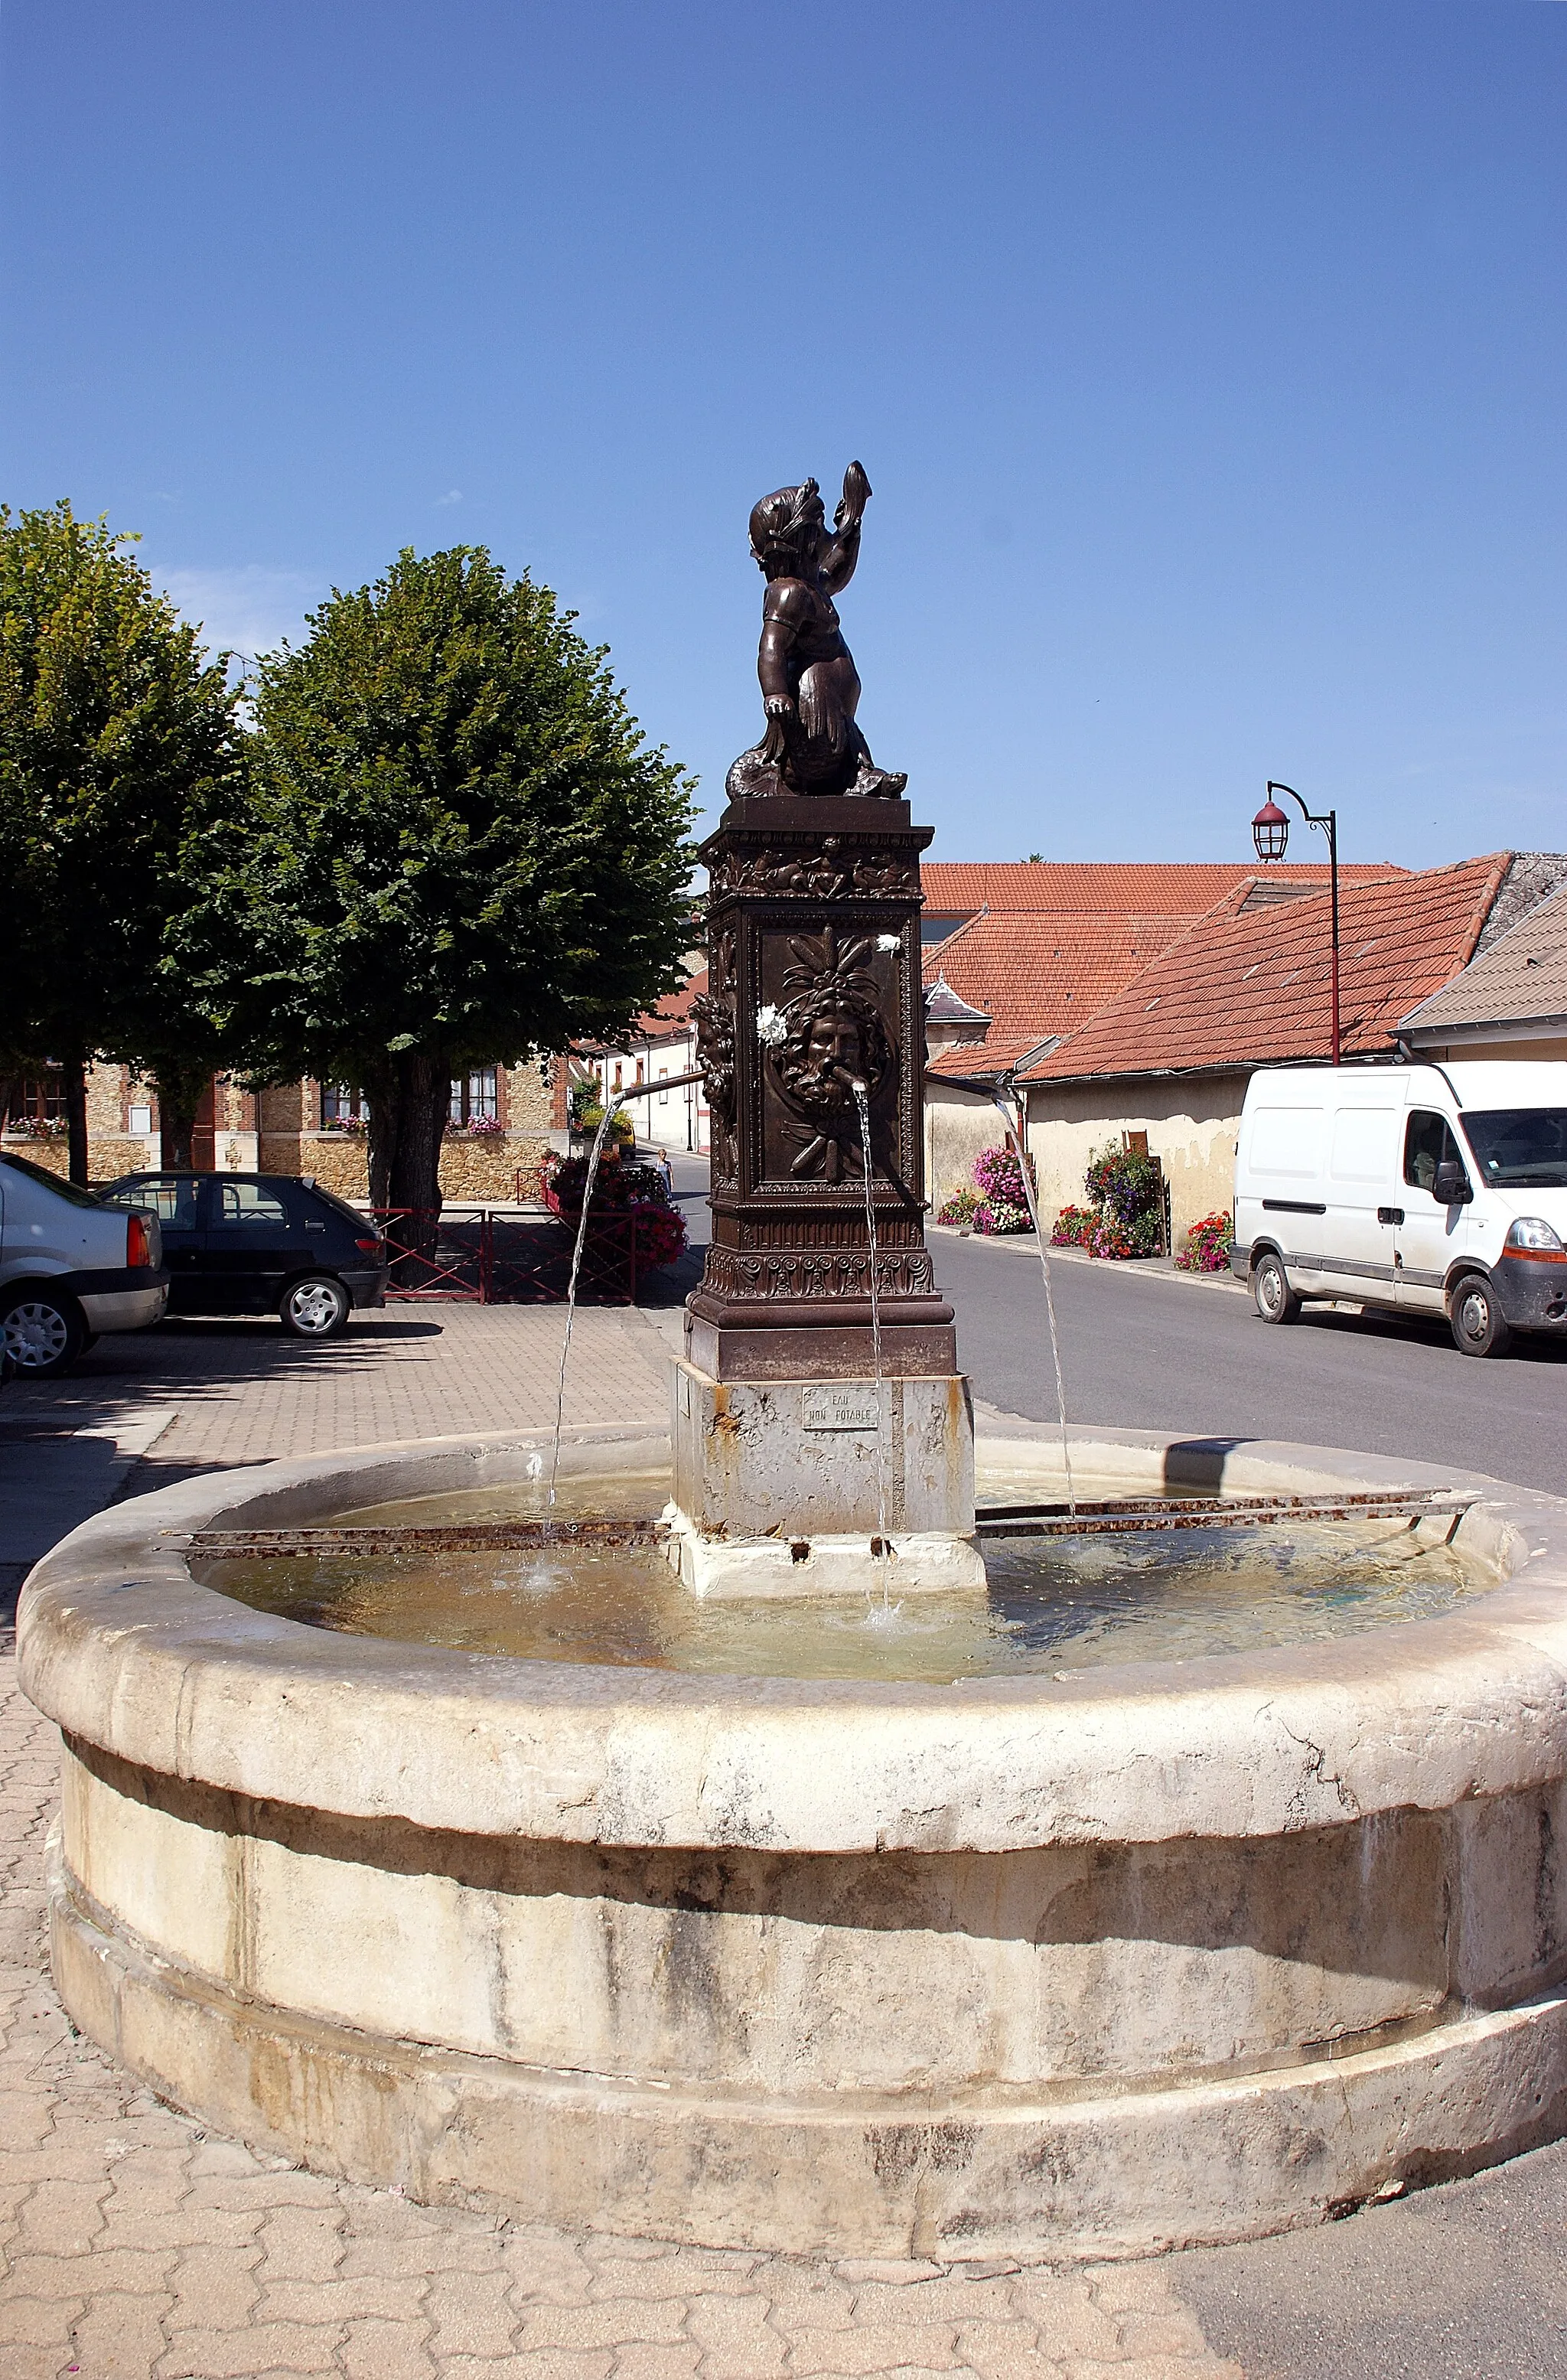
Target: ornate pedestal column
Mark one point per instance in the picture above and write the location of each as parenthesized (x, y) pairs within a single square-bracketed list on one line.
[(791, 1455), (815, 982)]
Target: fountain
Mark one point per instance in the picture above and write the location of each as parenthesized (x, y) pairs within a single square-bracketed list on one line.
[(802, 1827)]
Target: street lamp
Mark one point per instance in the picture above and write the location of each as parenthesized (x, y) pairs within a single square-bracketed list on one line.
[(1271, 834)]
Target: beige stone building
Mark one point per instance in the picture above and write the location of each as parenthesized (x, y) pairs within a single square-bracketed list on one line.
[(1166, 1059), (503, 1125), (1020, 954), (504, 1121), (122, 1134)]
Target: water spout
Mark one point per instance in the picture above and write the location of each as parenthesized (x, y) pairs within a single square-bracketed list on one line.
[(1043, 1246), (881, 1549), (593, 1156)]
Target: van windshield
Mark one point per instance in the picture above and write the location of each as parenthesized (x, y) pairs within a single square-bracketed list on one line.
[(1518, 1149)]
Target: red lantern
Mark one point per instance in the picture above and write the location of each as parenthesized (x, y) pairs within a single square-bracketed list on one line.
[(1270, 831)]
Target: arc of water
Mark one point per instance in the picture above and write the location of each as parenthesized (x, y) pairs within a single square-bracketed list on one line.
[(1043, 1246), (593, 1156), (862, 1102)]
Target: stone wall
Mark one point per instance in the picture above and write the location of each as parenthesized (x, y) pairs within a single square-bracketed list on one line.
[(108, 1156), (112, 1149), (958, 1124), (1192, 1123), (481, 1167)]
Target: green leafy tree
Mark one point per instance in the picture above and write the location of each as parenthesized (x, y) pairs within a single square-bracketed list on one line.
[(119, 742), (458, 850)]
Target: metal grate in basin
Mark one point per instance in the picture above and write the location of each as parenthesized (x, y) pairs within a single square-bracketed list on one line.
[(1130, 1515), (488, 1536)]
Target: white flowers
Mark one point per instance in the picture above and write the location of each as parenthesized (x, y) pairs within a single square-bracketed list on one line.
[(887, 941), (771, 1027)]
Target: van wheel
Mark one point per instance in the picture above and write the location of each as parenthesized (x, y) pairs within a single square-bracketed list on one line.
[(1270, 1291), (1479, 1326), (42, 1334), (316, 1308)]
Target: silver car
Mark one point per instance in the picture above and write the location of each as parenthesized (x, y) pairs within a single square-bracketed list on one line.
[(69, 1268)]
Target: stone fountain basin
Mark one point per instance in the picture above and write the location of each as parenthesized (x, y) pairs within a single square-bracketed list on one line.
[(1144, 1956)]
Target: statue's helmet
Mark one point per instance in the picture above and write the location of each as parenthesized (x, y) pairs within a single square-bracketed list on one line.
[(779, 524)]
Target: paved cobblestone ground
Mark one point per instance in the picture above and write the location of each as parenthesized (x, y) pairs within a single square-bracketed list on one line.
[(134, 2246), (241, 1391)]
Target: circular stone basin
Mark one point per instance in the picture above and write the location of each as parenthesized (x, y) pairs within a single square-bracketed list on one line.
[(1052, 1606), (1092, 1952)]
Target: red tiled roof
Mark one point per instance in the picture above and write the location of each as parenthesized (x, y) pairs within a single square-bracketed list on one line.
[(1254, 989), (673, 1014), (1121, 888), (991, 1056), (1035, 973)]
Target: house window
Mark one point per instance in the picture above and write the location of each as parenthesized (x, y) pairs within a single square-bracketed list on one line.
[(37, 1105), (475, 1097), (44, 1098), (663, 1077), (341, 1104)]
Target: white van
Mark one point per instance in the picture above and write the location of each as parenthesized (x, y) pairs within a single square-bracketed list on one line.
[(1430, 1189)]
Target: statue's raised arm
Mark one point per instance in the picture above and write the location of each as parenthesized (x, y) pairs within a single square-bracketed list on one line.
[(841, 552), (811, 689)]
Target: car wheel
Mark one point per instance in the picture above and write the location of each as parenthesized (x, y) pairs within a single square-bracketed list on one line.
[(1479, 1326), (316, 1308), (42, 1334), (1270, 1291)]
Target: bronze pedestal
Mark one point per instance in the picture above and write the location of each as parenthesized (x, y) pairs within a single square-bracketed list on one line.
[(814, 981)]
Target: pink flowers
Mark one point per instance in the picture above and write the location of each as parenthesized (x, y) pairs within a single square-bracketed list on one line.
[(1004, 1204), (1084, 1227), (1207, 1244)]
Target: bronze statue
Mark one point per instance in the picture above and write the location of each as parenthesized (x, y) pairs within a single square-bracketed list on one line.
[(810, 688)]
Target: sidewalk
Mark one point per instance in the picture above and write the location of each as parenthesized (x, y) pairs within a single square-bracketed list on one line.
[(135, 2247), (1130, 1268)]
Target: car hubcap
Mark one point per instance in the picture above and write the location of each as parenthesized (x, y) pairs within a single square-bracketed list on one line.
[(314, 1308), (1476, 1316), (1270, 1291), (35, 1335)]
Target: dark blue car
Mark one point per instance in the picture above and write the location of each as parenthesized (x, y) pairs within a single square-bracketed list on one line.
[(260, 1243)]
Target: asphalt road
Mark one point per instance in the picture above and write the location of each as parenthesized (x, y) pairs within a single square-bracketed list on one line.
[(1467, 2282), (1144, 1350)]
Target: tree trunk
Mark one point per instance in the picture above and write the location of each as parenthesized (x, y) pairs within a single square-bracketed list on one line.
[(74, 1082), (407, 1118), (181, 1088), (381, 1091), (423, 1090)]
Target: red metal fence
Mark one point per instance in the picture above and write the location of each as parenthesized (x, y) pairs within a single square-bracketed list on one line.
[(473, 1253)]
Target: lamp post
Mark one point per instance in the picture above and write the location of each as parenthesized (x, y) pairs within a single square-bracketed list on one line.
[(1271, 834)]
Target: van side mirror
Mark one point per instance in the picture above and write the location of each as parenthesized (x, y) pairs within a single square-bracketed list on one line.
[(1451, 1186)]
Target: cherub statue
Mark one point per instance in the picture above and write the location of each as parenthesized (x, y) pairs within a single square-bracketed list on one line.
[(810, 688)]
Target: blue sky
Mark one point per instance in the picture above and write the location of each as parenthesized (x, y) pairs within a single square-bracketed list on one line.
[(1208, 362)]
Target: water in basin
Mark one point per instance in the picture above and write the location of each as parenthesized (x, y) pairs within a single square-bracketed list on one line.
[(1053, 1605)]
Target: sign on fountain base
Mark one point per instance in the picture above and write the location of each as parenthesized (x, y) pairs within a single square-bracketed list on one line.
[(784, 1486)]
